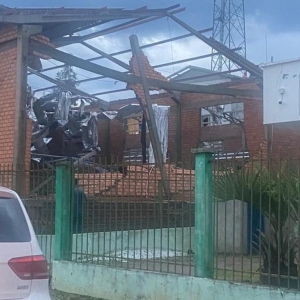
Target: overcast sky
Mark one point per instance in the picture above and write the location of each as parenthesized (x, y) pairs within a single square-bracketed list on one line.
[(278, 20)]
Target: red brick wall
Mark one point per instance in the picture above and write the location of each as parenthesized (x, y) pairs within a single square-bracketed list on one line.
[(8, 68), (190, 126), (8, 60), (117, 139), (117, 131), (233, 144), (8, 64), (190, 131), (255, 132), (103, 136), (229, 134), (284, 139)]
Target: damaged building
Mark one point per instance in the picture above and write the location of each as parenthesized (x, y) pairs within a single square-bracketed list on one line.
[(168, 116)]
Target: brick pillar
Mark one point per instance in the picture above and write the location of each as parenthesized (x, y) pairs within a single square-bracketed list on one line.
[(8, 66), (254, 128), (15, 127), (150, 73)]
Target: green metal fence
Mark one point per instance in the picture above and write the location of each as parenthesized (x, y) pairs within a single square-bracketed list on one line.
[(257, 211), (128, 219)]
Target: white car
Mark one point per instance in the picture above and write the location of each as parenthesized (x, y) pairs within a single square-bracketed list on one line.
[(23, 268)]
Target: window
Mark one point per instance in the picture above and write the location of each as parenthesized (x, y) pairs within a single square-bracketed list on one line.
[(207, 120), (234, 110), (133, 124), (13, 225)]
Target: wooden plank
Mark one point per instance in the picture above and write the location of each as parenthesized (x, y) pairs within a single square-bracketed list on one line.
[(236, 58), (149, 115), (48, 180), (85, 157), (129, 50), (104, 104), (210, 102), (160, 84), (176, 96), (108, 56), (20, 117)]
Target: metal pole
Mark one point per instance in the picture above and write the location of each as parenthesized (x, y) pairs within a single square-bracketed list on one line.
[(63, 211), (204, 263)]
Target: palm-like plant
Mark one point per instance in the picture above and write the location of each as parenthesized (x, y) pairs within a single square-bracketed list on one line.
[(276, 194)]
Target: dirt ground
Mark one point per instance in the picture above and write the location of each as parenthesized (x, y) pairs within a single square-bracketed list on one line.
[(56, 295)]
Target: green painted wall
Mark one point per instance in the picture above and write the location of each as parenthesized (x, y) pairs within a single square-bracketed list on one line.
[(120, 284)]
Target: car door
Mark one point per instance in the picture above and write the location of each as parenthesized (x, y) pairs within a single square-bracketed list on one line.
[(15, 250)]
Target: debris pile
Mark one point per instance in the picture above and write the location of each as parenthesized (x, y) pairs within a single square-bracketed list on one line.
[(139, 181), (61, 125)]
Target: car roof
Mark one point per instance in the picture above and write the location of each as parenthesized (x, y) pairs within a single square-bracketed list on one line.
[(5, 192)]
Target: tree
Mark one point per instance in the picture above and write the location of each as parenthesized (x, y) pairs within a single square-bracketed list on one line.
[(67, 75)]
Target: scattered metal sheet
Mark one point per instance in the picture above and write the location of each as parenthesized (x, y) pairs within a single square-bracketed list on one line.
[(62, 126)]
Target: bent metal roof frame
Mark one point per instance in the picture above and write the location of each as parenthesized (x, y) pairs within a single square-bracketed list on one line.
[(59, 24)]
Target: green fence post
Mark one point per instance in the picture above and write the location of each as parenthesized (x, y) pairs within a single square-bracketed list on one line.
[(204, 257), (63, 211)]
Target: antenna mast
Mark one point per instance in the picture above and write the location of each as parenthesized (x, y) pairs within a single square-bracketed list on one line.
[(228, 29)]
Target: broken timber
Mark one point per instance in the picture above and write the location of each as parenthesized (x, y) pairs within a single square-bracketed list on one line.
[(72, 89), (149, 115), (236, 58), (166, 85)]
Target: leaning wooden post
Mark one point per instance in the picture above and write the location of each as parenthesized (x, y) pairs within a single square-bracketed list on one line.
[(63, 211), (149, 114), (203, 214)]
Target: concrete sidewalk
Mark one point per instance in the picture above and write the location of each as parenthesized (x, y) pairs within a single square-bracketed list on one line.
[(57, 295)]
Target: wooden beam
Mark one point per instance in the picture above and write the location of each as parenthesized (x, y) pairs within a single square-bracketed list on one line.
[(85, 157), (224, 132), (81, 15), (41, 185), (211, 102), (187, 60), (149, 115), (176, 97), (69, 28), (104, 104), (108, 56), (160, 84), (231, 55), (20, 117), (129, 50), (174, 9), (122, 64), (178, 133)]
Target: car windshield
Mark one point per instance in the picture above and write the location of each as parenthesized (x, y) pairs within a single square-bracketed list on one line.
[(13, 225)]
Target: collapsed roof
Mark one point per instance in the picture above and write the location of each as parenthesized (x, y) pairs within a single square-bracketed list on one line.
[(61, 125), (62, 27)]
